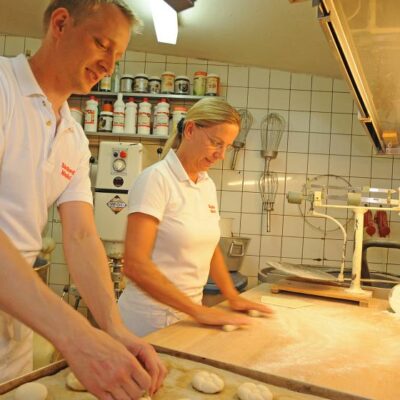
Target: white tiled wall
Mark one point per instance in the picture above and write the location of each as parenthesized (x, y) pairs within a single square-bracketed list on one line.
[(323, 136)]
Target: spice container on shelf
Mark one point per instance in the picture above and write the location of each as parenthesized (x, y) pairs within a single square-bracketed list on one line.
[(126, 83), (154, 84), (161, 118), (144, 116), (167, 82), (182, 85), (118, 115), (105, 84), (130, 116), (199, 83), (91, 114), (140, 83), (77, 114), (106, 118), (116, 79), (212, 85)]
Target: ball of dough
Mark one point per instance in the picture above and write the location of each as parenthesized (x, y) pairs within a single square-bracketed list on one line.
[(207, 382), (253, 391), (254, 313), (229, 328), (74, 384), (31, 391)]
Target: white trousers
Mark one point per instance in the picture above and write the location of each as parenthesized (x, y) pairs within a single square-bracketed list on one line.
[(16, 356)]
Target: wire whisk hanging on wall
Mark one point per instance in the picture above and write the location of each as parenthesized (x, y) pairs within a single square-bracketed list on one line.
[(272, 127), (246, 121), (268, 189)]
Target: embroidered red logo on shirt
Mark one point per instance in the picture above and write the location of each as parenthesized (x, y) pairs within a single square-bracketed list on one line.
[(212, 208), (67, 172)]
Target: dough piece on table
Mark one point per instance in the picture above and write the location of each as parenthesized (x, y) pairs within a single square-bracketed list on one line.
[(230, 328), (207, 382), (74, 384), (31, 391), (254, 313), (145, 398), (253, 391)]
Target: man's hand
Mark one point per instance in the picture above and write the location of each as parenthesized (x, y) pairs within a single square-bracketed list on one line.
[(105, 367), (146, 354)]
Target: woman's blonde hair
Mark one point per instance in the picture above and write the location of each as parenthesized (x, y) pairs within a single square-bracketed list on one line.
[(79, 9), (207, 112)]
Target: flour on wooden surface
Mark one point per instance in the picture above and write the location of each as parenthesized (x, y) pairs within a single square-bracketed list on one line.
[(339, 343)]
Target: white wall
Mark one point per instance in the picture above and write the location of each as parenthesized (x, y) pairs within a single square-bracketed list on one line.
[(323, 136)]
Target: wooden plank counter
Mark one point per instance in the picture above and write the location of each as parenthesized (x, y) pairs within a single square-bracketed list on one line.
[(328, 343)]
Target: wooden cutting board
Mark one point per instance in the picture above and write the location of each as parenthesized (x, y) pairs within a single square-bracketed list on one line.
[(327, 343)]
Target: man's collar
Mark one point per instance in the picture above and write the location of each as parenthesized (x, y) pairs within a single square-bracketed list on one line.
[(25, 78)]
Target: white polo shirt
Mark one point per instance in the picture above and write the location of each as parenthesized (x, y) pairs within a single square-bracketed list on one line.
[(188, 232), (40, 163)]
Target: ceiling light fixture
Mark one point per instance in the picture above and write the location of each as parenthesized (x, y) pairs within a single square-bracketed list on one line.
[(165, 21), (180, 5)]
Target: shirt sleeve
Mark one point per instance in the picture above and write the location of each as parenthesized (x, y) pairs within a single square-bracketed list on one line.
[(78, 188), (149, 194)]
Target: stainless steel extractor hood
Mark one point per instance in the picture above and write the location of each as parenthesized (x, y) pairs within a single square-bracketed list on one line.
[(365, 36)]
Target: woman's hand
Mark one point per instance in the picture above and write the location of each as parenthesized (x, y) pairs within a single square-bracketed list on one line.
[(239, 303), (214, 316)]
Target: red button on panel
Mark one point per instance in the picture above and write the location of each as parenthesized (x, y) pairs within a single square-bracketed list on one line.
[(122, 154)]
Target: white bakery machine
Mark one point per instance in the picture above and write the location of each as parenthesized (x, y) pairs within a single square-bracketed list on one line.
[(118, 166), (359, 201)]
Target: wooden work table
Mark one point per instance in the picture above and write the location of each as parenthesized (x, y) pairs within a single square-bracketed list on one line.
[(327, 343)]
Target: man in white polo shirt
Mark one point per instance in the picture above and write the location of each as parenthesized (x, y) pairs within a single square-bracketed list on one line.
[(44, 158)]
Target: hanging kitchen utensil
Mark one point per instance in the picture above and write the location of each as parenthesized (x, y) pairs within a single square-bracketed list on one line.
[(268, 185), (246, 120), (272, 127)]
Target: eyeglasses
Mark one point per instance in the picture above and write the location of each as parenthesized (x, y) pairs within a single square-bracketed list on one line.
[(217, 144)]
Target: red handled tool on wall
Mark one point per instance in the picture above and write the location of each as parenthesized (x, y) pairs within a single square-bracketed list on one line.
[(382, 222), (369, 223)]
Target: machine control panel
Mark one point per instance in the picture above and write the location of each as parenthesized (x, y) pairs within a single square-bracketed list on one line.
[(119, 164), (118, 181)]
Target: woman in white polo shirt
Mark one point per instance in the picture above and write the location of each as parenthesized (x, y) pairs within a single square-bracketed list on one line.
[(173, 229)]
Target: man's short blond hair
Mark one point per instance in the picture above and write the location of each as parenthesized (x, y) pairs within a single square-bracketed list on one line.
[(79, 9)]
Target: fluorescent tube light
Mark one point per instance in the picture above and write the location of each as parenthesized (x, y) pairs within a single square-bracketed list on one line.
[(165, 21)]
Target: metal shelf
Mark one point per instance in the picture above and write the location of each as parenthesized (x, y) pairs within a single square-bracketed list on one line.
[(142, 95), (128, 135)]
